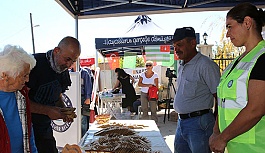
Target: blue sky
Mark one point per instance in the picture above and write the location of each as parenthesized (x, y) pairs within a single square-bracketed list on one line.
[(55, 23)]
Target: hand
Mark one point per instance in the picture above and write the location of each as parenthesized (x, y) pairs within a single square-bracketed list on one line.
[(70, 114), (70, 118), (150, 85), (87, 101), (216, 143), (55, 113)]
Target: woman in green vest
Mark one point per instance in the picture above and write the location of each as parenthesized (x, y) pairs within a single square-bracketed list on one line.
[(240, 126)]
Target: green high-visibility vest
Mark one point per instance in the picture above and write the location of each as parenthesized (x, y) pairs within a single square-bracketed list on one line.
[(232, 98)]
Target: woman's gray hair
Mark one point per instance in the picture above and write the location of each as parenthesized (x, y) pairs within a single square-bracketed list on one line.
[(12, 60)]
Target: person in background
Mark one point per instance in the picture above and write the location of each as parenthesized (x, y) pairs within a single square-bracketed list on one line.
[(91, 74), (126, 81), (48, 80), (136, 104), (86, 91), (241, 92), (147, 79), (197, 80), (15, 119)]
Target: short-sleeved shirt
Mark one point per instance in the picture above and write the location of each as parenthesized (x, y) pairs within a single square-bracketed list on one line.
[(148, 81), (45, 88), (197, 81), (258, 71), (10, 112)]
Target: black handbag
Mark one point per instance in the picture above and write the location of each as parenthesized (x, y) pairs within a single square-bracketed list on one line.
[(115, 91), (85, 110)]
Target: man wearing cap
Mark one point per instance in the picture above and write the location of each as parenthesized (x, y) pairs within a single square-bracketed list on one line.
[(198, 77)]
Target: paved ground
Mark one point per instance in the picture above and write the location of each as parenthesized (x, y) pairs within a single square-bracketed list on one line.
[(167, 129)]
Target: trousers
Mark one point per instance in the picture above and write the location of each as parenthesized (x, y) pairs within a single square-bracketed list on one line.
[(144, 107), (45, 143), (192, 134), (84, 124)]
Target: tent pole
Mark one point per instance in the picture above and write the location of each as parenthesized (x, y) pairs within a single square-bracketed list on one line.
[(76, 36), (96, 58), (104, 73)]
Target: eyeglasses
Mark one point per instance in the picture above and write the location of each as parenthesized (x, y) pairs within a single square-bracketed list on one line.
[(148, 65)]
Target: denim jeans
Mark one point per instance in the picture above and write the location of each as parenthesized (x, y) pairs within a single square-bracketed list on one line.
[(192, 134), (84, 124), (135, 106)]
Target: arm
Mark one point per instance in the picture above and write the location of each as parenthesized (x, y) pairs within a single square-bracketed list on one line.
[(214, 136), (60, 102), (247, 118), (53, 112), (88, 87), (215, 105), (132, 79), (117, 84), (156, 82)]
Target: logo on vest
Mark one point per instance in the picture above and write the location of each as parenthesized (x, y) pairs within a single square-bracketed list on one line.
[(230, 83), (59, 125)]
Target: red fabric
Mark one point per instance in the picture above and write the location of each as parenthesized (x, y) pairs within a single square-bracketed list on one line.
[(87, 62), (176, 56), (5, 146), (165, 48), (92, 116), (24, 91), (113, 60), (153, 93)]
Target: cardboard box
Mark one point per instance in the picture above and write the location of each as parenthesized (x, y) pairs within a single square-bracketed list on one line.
[(173, 116)]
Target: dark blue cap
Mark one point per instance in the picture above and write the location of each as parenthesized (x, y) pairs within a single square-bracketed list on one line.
[(182, 33)]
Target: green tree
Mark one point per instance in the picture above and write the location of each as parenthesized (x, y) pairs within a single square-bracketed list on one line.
[(226, 49), (121, 62), (140, 61)]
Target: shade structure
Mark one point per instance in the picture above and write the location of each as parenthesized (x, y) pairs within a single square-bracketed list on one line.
[(143, 32), (113, 8)]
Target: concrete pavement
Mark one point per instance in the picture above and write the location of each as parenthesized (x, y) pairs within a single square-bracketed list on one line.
[(167, 129)]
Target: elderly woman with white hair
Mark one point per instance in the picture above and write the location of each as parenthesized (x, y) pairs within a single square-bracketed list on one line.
[(15, 121)]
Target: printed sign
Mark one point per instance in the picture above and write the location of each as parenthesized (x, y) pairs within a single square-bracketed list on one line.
[(71, 131), (58, 125), (132, 41)]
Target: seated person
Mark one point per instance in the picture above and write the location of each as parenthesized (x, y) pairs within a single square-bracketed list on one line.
[(136, 104)]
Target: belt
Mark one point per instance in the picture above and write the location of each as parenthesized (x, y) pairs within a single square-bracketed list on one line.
[(194, 114)]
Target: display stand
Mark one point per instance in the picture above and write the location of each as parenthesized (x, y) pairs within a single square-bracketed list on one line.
[(169, 100), (111, 104)]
